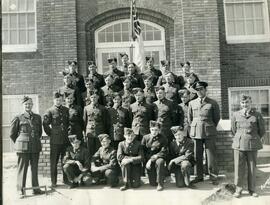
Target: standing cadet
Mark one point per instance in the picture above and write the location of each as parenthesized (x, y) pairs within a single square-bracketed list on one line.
[(184, 96), (248, 130), (135, 78), (151, 70), (77, 79), (182, 156), (116, 74), (130, 157), (55, 124), (90, 88), (155, 148), (120, 118), (171, 89), (142, 113), (127, 91), (191, 80), (104, 162), (125, 63), (185, 69), (108, 90), (149, 90), (25, 132), (97, 78), (203, 117), (96, 121)]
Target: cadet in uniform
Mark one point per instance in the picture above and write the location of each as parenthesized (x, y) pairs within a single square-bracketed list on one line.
[(127, 91), (142, 113), (25, 132), (248, 130), (104, 162), (77, 79), (191, 80), (151, 70), (97, 121), (125, 63), (97, 78), (185, 69), (130, 157), (55, 124), (155, 148), (171, 89), (120, 118), (203, 117), (136, 80), (76, 161), (184, 95), (182, 156), (108, 90), (90, 88), (149, 90)]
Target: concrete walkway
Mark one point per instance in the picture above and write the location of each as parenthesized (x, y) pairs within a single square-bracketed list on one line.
[(99, 195)]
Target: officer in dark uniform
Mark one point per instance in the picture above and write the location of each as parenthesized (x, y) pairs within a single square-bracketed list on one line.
[(116, 74), (97, 78), (108, 90), (120, 118), (135, 78), (151, 70), (125, 63), (104, 162), (203, 117), (130, 157), (248, 130), (76, 161), (25, 132), (96, 121), (142, 113), (127, 91), (149, 90), (55, 124), (155, 147), (77, 79)]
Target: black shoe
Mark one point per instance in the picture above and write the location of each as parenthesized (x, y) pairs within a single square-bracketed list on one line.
[(214, 182), (73, 185), (123, 188), (20, 194), (254, 194), (38, 192), (196, 180), (53, 185), (191, 186)]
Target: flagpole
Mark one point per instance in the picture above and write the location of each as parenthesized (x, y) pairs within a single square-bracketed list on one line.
[(132, 30)]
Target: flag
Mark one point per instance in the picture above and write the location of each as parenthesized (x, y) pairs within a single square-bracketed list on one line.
[(136, 34)]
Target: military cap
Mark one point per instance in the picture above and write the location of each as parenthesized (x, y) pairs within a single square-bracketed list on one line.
[(57, 94), (157, 88), (72, 62), (137, 90), (165, 62), (74, 138), (101, 137), (187, 62), (93, 92), (128, 131), (155, 124), (147, 58), (199, 84), (25, 98), (110, 60), (116, 94), (108, 76), (244, 97), (169, 73), (148, 78), (183, 91), (194, 75), (88, 80), (91, 63), (180, 129), (123, 54)]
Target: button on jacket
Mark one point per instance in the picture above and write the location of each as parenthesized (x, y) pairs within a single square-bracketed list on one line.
[(55, 124), (203, 118), (133, 151), (247, 130), (25, 132)]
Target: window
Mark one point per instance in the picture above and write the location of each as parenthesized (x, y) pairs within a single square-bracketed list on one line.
[(260, 100), (12, 106), (19, 25), (114, 38), (246, 21)]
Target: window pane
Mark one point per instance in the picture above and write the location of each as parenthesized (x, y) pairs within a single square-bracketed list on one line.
[(31, 36), (258, 10), (260, 27), (231, 28), (22, 37), (239, 11), (13, 21), (4, 5), (101, 37), (125, 27), (5, 37), (22, 20), (109, 37), (13, 37), (117, 37), (149, 36), (250, 27), (22, 5), (240, 28), (30, 5), (31, 20), (249, 10), (229, 12), (157, 35), (13, 5), (125, 36), (109, 29), (117, 27), (4, 21)]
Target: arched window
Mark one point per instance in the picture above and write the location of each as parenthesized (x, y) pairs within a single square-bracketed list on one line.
[(114, 38)]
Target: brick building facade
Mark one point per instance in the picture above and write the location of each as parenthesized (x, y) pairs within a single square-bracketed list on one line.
[(194, 30)]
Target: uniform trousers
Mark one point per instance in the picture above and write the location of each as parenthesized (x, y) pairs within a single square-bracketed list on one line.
[(210, 148), (241, 159), (111, 176), (72, 171), (93, 144), (131, 174), (57, 151), (157, 171), (182, 173), (23, 163)]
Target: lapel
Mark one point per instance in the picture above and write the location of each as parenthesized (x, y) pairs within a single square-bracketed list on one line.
[(204, 102)]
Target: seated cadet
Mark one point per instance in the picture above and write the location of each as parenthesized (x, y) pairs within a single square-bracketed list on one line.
[(127, 91), (149, 90), (76, 161), (104, 162), (130, 157), (136, 79), (108, 90), (155, 150), (182, 156), (97, 78)]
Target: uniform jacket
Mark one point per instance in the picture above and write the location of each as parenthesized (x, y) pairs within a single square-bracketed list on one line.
[(80, 155), (142, 113), (155, 73), (136, 80), (98, 80), (132, 151), (182, 151), (86, 96), (203, 118), (96, 120), (150, 95), (155, 145), (26, 132), (247, 130), (183, 115), (108, 92), (117, 80), (78, 82), (75, 120), (171, 91), (120, 118), (56, 123), (77, 94), (129, 94), (105, 157)]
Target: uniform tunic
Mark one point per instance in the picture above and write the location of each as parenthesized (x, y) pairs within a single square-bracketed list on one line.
[(154, 73), (117, 81), (150, 95), (136, 80), (98, 80), (76, 121), (171, 91), (78, 99)]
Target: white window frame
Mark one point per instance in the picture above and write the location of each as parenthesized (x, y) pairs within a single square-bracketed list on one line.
[(237, 39), (16, 48)]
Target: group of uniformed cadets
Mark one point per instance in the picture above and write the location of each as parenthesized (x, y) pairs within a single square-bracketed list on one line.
[(127, 122)]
